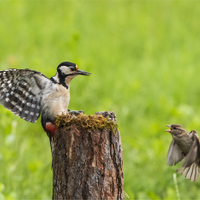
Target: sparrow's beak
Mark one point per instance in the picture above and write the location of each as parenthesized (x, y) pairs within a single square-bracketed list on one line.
[(169, 130), (80, 72)]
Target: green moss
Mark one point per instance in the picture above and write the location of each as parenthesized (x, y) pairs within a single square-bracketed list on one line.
[(87, 122)]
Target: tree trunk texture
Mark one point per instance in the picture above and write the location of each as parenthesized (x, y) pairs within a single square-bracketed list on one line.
[(87, 163)]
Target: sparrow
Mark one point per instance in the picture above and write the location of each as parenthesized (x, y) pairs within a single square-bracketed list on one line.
[(185, 145)]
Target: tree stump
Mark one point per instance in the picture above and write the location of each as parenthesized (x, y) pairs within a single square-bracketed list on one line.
[(87, 157)]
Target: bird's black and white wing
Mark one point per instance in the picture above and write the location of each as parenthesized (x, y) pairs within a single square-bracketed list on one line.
[(174, 155), (21, 92)]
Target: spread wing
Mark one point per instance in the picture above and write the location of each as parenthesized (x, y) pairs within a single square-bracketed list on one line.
[(21, 92), (175, 154)]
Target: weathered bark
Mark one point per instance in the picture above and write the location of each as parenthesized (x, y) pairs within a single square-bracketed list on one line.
[(87, 164)]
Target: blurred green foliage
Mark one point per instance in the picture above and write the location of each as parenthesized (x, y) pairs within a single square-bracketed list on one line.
[(144, 59)]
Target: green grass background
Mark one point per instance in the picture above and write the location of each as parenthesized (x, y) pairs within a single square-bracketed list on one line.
[(144, 57)]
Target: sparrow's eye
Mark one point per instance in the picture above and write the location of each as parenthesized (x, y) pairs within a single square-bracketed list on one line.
[(174, 128)]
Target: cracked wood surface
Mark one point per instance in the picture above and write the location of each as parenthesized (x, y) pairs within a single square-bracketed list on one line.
[(87, 164)]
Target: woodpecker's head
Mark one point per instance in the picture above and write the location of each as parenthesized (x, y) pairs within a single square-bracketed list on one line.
[(66, 71)]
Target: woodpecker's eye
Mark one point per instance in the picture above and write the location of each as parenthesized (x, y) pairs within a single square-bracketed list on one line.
[(72, 68)]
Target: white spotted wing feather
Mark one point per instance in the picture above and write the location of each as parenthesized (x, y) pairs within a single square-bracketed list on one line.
[(21, 92)]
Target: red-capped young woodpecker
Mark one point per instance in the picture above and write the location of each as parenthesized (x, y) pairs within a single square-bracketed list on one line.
[(27, 93)]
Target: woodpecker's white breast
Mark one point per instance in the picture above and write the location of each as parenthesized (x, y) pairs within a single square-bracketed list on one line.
[(55, 101)]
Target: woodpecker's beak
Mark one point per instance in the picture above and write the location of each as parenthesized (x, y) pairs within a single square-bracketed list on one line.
[(80, 72), (169, 130)]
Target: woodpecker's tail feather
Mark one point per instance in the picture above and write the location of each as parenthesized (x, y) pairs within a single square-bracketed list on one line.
[(51, 144)]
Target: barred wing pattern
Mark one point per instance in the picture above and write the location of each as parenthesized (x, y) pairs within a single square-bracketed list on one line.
[(21, 93)]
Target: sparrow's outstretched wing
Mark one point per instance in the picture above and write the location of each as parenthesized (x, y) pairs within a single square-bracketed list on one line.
[(175, 154)]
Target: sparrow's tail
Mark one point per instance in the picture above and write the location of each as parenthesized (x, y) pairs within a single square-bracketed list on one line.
[(191, 172)]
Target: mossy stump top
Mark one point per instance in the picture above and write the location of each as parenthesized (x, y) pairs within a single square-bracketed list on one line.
[(101, 120)]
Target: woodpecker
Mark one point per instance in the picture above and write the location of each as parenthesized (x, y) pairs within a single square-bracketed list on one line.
[(28, 93)]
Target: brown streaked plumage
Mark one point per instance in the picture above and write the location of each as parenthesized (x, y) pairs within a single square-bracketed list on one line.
[(185, 145)]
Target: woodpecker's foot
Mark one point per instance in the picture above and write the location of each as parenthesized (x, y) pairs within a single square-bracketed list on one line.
[(50, 128), (76, 113)]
